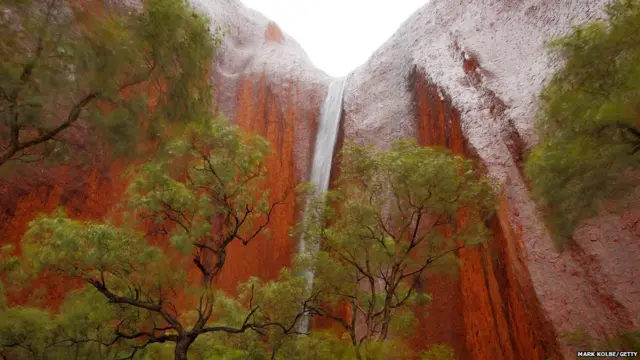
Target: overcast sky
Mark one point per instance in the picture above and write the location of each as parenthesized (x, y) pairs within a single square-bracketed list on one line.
[(338, 35)]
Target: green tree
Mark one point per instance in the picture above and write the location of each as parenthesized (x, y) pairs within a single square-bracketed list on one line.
[(204, 194), (79, 330), (588, 121), (392, 216), (99, 64), (438, 352), (622, 340)]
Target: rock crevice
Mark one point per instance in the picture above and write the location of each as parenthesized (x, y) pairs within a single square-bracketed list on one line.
[(462, 75), (484, 64)]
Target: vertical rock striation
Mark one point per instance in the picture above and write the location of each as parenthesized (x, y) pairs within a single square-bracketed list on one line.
[(517, 293), (265, 83), (501, 317), (86, 193), (459, 74)]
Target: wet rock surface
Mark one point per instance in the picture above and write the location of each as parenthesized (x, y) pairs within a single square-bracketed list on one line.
[(459, 74), (484, 64)]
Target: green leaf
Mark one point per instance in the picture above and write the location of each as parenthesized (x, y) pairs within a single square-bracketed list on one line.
[(587, 121)]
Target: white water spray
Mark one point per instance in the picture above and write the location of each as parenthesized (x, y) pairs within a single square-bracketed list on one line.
[(322, 157)]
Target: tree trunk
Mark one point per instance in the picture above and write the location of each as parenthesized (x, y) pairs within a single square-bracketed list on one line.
[(182, 347), (386, 314), (357, 352), (386, 319), (354, 342)]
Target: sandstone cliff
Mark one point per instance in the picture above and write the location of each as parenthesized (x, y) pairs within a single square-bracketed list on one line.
[(264, 82), (460, 74), (466, 75)]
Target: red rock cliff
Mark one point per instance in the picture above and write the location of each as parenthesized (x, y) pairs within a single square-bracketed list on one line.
[(265, 83), (464, 75), (494, 307), (480, 67)]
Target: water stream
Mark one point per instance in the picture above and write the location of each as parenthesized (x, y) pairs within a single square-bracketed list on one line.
[(323, 155)]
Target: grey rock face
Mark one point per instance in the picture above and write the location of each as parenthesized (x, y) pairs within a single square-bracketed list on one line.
[(593, 289)]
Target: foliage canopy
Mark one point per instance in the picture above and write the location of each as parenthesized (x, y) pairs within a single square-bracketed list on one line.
[(393, 216), (201, 196), (102, 65), (148, 273), (588, 120)]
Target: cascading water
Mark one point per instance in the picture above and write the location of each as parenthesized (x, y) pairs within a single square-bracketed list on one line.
[(323, 156)]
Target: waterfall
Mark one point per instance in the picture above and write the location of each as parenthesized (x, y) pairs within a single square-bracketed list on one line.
[(323, 155), (327, 134)]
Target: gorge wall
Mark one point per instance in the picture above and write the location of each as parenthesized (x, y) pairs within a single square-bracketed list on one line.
[(463, 74), (265, 83), (466, 75)]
